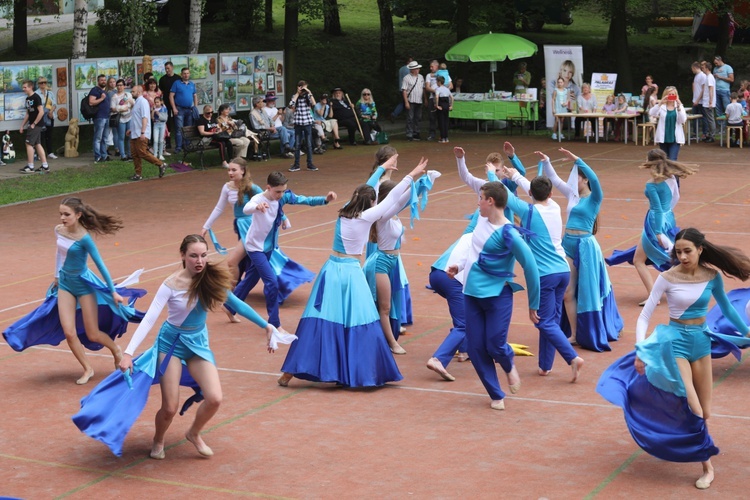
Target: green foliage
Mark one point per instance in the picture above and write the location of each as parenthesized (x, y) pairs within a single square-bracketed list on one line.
[(127, 22), (247, 15)]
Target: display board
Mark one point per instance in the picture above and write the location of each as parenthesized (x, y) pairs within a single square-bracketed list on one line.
[(12, 75), (244, 75), (85, 72), (203, 73)]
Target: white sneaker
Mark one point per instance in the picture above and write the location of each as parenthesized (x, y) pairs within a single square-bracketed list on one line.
[(52, 155), (161, 157), (562, 137), (167, 153), (554, 136)]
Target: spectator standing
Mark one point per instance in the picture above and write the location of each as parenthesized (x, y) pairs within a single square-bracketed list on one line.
[(165, 85), (49, 105), (430, 85), (276, 115), (183, 99), (724, 76), (98, 97), (443, 104), (111, 90), (412, 92), (302, 103), (122, 103), (402, 72), (140, 133), (521, 80), (699, 82), (344, 114), (709, 101), (671, 116), (35, 129)]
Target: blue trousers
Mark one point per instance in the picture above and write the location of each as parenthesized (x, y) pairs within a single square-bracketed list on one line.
[(262, 263), (100, 144), (551, 337), (184, 118), (303, 133), (672, 149), (452, 291), (487, 322)]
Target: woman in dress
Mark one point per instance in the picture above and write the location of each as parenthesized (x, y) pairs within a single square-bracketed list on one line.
[(340, 337), (591, 316), (666, 411), (188, 294), (671, 118), (122, 104), (101, 304), (229, 125)]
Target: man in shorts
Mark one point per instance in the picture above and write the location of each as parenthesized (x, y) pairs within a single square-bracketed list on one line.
[(34, 115)]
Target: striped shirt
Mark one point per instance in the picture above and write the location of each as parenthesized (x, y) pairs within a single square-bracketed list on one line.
[(414, 88)]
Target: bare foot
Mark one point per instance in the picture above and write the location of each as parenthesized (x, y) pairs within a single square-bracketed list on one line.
[(402, 330), (462, 357), (157, 451), (284, 379), (397, 349), (85, 377), (232, 317), (435, 365), (498, 404), (543, 373), (202, 447), (576, 366), (118, 357), (514, 380), (705, 480)]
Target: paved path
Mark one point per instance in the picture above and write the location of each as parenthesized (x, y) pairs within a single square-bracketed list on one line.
[(40, 27)]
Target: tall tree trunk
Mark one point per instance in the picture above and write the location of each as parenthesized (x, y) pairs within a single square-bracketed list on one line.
[(462, 20), (177, 16), (269, 16), (20, 38), (291, 43), (722, 42), (617, 45), (331, 21), (387, 42), (80, 30), (194, 35)]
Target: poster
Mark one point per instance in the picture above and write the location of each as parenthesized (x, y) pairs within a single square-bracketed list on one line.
[(565, 62), (15, 106), (198, 67), (84, 75)]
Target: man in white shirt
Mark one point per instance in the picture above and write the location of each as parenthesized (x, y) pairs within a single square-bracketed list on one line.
[(699, 82), (140, 133), (412, 91), (277, 115), (709, 102)]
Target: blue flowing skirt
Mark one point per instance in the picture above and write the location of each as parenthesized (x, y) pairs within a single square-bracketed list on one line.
[(42, 325), (339, 336), (655, 254), (109, 411), (599, 321), (726, 340)]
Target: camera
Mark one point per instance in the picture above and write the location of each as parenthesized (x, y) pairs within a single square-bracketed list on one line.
[(303, 91)]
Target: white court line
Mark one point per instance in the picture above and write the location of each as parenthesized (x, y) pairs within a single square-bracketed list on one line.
[(420, 389)]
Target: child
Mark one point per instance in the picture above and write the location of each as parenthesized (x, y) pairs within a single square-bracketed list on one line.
[(443, 71), (621, 108), (160, 126), (609, 108), (262, 236), (443, 104), (562, 103), (734, 119)]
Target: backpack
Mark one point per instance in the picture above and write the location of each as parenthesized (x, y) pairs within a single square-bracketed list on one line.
[(88, 112)]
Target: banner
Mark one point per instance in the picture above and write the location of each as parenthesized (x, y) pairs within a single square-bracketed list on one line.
[(566, 62), (603, 85)]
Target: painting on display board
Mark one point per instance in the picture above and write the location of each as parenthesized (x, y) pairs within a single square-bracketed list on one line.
[(34, 72), (245, 65), (13, 77), (279, 86), (2, 80), (2, 110), (245, 84), (15, 106), (230, 90), (205, 92), (127, 71), (260, 63), (270, 81), (157, 67), (179, 63), (62, 77), (84, 75), (198, 67), (244, 101), (228, 65), (271, 64), (107, 67), (260, 83)]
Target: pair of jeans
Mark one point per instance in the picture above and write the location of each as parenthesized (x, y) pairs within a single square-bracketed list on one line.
[(158, 137), (121, 140), (183, 118), (672, 149), (303, 133), (723, 99), (413, 117), (100, 145)]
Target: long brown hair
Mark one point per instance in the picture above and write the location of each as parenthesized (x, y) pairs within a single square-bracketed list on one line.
[(210, 286), (362, 199), (382, 155), (246, 185), (663, 168), (729, 260), (92, 219), (383, 190)]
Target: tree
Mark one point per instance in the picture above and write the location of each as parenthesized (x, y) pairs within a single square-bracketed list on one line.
[(331, 20), (617, 43), (176, 16), (20, 38), (80, 30), (291, 43), (269, 16), (387, 42), (194, 35)]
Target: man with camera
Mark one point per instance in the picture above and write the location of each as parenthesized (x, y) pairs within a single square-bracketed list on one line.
[(302, 103)]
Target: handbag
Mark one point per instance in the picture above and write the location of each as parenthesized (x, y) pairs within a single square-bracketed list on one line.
[(222, 135), (114, 120), (382, 137), (46, 119)]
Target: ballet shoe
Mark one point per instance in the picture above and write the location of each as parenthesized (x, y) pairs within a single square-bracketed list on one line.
[(703, 484), (498, 405), (283, 381), (158, 455), (398, 350), (435, 365), (514, 388), (202, 448), (402, 330), (576, 366), (85, 378), (543, 373)]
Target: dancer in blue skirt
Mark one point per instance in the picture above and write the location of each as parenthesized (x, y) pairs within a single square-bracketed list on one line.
[(489, 287), (591, 316), (101, 304), (108, 413), (666, 410), (340, 337)]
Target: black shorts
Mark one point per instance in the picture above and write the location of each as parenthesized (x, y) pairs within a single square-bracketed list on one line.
[(34, 135)]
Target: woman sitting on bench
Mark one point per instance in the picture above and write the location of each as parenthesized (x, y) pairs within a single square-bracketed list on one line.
[(209, 129)]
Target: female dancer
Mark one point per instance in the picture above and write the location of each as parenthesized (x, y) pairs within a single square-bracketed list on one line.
[(489, 287), (666, 411), (671, 115), (200, 286), (340, 338), (659, 226), (78, 286), (591, 312), (236, 193)]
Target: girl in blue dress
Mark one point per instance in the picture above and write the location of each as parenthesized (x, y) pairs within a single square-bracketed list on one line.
[(667, 409), (591, 315), (340, 337), (80, 294), (108, 413)]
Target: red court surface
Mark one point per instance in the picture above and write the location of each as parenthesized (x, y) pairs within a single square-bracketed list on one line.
[(418, 438)]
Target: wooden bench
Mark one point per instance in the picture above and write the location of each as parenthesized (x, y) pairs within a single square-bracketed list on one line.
[(194, 142)]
